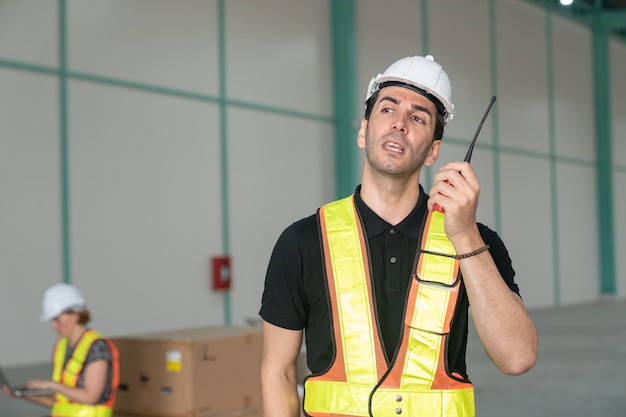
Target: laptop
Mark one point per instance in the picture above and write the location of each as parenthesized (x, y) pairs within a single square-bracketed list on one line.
[(21, 391)]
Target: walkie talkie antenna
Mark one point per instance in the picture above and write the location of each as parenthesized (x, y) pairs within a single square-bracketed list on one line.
[(437, 207), (468, 156)]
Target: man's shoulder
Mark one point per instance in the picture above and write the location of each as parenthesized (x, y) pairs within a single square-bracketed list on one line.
[(484, 229), (299, 231), (307, 224), (489, 235), (305, 228), (305, 221), (497, 248)]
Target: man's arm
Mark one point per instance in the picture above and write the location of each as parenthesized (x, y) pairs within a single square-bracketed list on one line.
[(278, 371), (504, 327)]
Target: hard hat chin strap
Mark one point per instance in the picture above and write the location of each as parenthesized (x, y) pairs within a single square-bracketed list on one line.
[(440, 108)]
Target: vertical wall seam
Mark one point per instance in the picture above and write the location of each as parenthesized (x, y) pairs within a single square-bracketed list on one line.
[(428, 171), (556, 277), (224, 191), (425, 27), (63, 145), (493, 62)]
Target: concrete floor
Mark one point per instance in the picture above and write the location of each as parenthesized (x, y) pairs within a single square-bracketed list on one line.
[(580, 372)]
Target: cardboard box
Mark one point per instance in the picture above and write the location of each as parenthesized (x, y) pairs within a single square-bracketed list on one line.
[(248, 412), (197, 372)]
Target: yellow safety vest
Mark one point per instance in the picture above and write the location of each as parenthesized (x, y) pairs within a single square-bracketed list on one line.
[(359, 381), (68, 375)]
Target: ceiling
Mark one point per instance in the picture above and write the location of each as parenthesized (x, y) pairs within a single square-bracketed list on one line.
[(607, 14)]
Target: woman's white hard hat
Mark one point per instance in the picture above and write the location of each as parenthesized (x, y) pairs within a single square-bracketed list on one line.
[(421, 72), (60, 298)]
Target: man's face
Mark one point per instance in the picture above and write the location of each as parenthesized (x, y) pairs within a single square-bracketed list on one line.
[(398, 138)]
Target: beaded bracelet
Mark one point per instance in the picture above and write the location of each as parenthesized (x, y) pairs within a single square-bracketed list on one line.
[(476, 252), (463, 256)]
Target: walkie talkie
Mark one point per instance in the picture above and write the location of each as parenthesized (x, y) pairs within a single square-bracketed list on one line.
[(468, 156)]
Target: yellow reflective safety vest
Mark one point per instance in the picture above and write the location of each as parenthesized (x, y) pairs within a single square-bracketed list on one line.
[(68, 375), (359, 382)]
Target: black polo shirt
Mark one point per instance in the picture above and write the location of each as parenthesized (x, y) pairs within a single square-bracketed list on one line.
[(296, 294)]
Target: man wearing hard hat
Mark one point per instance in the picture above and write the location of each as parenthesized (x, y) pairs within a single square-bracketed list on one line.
[(380, 282), (85, 368)]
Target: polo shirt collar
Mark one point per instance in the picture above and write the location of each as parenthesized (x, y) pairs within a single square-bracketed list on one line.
[(374, 225)]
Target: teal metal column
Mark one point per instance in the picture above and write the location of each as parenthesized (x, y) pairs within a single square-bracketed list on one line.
[(603, 151), (63, 151), (344, 96), (221, 22), (554, 201)]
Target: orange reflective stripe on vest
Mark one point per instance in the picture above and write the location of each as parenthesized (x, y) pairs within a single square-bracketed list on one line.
[(359, 383), (68, 375)]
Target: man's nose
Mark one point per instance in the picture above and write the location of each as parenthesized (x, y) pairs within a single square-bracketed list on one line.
[(399, 124)]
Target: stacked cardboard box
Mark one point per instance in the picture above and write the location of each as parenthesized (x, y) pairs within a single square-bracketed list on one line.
[(199, 372)]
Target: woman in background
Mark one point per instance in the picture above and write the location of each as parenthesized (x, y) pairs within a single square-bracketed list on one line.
[(85, 365)]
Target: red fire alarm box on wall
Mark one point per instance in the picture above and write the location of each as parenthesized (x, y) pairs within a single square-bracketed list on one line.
[(221, 272)]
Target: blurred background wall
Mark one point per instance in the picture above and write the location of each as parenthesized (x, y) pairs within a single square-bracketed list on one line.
[(140, 138)]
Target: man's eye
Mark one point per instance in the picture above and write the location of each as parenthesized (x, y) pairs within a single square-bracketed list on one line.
[(386, 110), (418, 119)]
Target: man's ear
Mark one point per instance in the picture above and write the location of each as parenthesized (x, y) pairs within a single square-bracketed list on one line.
[(433, 154), (360, 137)]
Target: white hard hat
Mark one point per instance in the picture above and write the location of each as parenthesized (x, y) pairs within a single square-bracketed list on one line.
[(422, 74), (60, 298)]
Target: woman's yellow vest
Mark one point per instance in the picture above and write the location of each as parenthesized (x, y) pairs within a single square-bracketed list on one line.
[(68, 375), (359, 381)]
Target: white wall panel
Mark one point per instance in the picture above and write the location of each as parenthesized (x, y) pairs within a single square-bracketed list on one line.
[(573, 91), (30, 210), (18, 40), (522, 76), (146, 211), (279, 54), (168, 43), (467, 61), (282, 173), (483, 164), (385, 32), (578, 234), (527, 226)]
